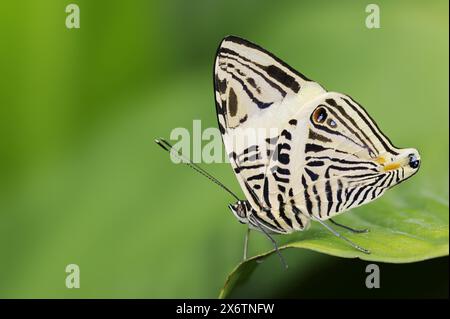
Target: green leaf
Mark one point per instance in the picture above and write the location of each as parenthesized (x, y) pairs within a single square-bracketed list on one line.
[(402, 230)]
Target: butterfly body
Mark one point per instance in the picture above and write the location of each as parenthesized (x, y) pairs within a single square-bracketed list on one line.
[(298, 151)]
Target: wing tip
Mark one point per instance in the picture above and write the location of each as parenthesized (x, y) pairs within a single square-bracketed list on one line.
[(241, 41), (233, 38), (238, 40)]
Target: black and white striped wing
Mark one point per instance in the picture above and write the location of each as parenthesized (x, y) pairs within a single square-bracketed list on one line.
[(297, 150), (257, 99), (250, 82)]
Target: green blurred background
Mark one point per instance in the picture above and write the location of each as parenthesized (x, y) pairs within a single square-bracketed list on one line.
[(82, 181)]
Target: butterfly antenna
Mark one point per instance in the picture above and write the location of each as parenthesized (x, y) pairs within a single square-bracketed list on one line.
[(169, 148)]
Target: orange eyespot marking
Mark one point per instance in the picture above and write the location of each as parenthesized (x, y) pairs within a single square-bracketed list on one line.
[(320, 115), (380, 160), (391, 167)]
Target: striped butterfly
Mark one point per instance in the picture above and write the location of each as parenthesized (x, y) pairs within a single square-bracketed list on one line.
[(299, 152)]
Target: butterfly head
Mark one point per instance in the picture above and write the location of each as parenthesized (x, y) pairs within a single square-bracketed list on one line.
[(240, 210)]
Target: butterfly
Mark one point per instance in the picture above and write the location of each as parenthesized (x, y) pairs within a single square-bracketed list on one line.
[(300, 153)]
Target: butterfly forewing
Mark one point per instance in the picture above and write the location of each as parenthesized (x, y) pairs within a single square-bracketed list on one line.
[(256, 94), (250, 81)]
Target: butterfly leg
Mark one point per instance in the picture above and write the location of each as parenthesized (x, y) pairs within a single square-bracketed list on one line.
[(274, 243), (353, 230), (340, 236), (247, 236)]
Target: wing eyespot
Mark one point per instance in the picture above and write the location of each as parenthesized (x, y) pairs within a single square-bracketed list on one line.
[(319, 115), (331, 123)]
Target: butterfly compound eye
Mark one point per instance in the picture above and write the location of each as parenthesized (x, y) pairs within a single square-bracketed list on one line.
[(320, 115)]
